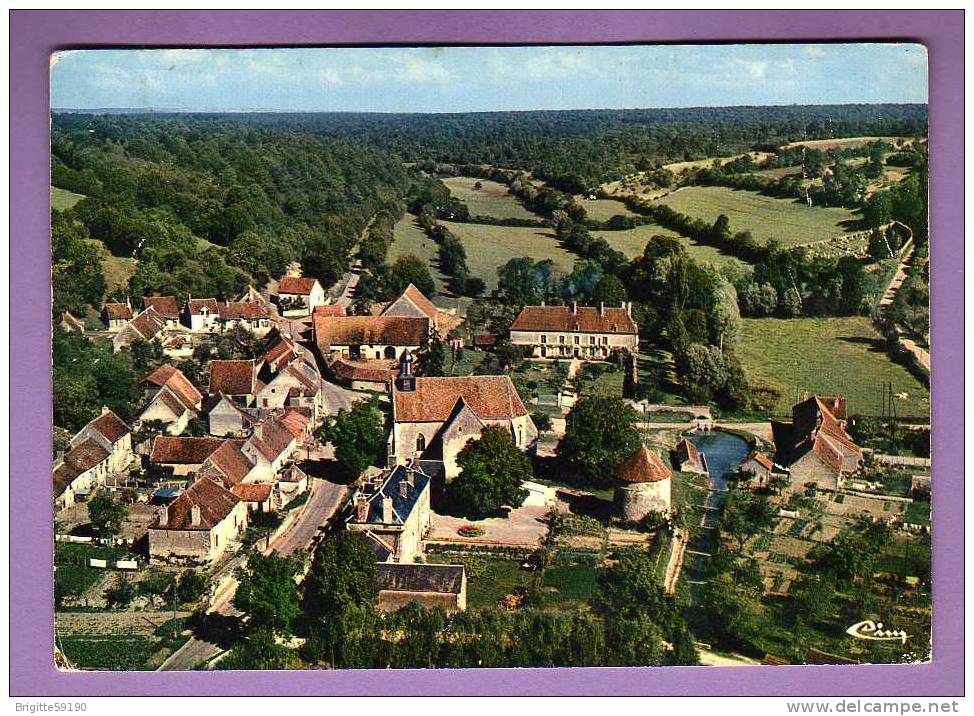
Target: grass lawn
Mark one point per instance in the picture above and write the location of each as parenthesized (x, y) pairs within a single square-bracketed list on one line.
[(831, 356), (75, 580), (918, 513), (492, 199), (489, 578), (467, 364), (766, 217), (490, 247), (632, 242), (408, 238), (570, 583), (62, 199), (603, 209)]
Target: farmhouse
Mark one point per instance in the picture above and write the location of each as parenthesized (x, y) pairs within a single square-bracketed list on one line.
[(185, 455), (299, 296), (268, 447), (645, 485), (79, 471), (433, 418), (441, 586), (296, 385), (202, 315), (815, 446), (369, 337), (412, 304), (228, 465), (144, 327), (583, 332), (393, 511), (173, 400), (245, 314), (165, 306), (115, 315), (235, 379), (199, 525)]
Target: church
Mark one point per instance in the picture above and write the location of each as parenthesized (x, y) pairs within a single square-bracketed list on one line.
[(434, 418)]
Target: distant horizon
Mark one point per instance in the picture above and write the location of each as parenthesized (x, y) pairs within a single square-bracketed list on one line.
[(460, 80)]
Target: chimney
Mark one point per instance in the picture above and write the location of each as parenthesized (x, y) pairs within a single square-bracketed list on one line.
[(629, 309), (164, 517), (361, 508), (601, 308), (574, 308), (403, 488), (195, 517), (542, 303), (386, 510)]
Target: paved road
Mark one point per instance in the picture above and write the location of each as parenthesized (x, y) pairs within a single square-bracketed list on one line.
[(325, 499)]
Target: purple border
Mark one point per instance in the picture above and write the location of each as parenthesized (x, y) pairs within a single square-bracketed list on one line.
[(34, 34)]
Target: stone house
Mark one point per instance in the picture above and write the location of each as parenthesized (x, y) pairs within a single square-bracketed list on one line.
[(688, 458), (269, 447), (173, 400), (393, 512), (413, 304), (146, 326), (79, 471), (167, 307), (759, 466), (113, 435), (245, 314), (202, 315), (115, 315), (199, 525), (299, 296), (237, 379), (433, 418), (184, 455), (582, 332), (644, 486), (442, 586), (297, 385), (814, 446), (368, 338), (228, 465), (258, 496), (226, 418)]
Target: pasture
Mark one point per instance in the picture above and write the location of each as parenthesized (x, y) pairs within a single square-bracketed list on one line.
[(829, 356), (789, 222), (491, 200), (632, 242), (678, 167), (116, 269), (62, 199), (489, 247), (408, 238), (847, 142), (603, 209)]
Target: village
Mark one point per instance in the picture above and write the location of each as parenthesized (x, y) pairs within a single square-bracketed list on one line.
[(235, 462)]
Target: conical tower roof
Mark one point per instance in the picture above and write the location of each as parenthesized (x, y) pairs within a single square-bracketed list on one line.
[(643, 466)]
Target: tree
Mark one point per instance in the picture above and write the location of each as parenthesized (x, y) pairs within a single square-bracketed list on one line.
[(431, 359), (191, 588), (120, 594), (105, 514), (542, 421), (492, 469), (340, 597), (358, 435), (408, 269), (600, 433), (268, 593), (745, 515)]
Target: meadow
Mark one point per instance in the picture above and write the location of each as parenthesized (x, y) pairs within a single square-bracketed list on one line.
[(62, 199), (829, 356), (408, 238), (632, 242), (789, 222), (490, 247), (116, 269), (491, 200), (603, 209)]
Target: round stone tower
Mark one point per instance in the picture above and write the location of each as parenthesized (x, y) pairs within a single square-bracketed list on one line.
[(644, 486)]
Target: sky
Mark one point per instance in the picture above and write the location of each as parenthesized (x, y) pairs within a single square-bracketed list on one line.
[(471, 79)]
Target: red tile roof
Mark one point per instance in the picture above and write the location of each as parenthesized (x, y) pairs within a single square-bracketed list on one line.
[(215, 504), (485, 340), (814, 427), (296, 423), (233, 377), (761, 459), (279, 352), (643, 466), (165, 306), (369, 330), (210, 304), (253, 491), (85, 455), (271, 438), (418, 299), (112, 427), (246, 310), (585, 319), (332, 309), (490, 397), (183, 450), (231, 462), (686, 451), (116, 311), (301, 285), (173, 378), (372, 371), (148, 323)]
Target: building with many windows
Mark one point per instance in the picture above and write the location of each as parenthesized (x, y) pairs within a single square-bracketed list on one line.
[(582, 332)]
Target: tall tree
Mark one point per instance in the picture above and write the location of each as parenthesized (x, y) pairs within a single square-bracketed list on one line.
[(358, 435), (600, 433), (267, 592), (492, 469)]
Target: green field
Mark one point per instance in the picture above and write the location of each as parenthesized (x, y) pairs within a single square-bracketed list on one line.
[(408, 238), (632, 242), (489, 247), (603, 209), (492, 199), (766, 217), (62, 199), (116, 269), (831, 356)]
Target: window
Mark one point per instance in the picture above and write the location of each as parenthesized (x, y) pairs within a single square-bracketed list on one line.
[(544, 339), (576, 340), (420, 443), (591, 340), (561, 339)]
